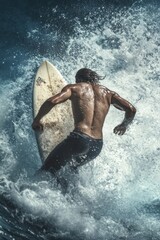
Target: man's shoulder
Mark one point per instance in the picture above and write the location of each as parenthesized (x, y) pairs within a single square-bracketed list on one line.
[(72, 87), (76, 85), (68, 86), (109, 91)]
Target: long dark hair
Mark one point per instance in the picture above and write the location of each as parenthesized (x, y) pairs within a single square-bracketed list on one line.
[(87, 75)]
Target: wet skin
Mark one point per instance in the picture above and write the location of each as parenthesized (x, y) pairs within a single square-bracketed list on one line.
[(90, 105)]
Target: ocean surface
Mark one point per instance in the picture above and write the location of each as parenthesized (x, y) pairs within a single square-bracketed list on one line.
[(116, 196)]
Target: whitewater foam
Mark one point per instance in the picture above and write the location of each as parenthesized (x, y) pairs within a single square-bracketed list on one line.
[(110, 191)]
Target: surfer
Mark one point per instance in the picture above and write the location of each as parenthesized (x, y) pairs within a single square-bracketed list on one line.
[(90, 105)]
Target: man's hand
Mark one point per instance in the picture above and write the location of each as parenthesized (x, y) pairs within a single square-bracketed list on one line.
[(37, 126), (120, 129)]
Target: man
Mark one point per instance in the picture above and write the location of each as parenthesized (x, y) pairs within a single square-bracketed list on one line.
[(90, 105)]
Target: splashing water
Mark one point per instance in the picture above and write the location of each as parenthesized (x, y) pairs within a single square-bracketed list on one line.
[(116, 196)]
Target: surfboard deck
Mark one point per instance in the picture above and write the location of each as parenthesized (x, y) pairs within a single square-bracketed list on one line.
[(58, 122)]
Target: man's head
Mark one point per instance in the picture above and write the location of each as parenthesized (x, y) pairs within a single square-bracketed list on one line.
[(87, 75)]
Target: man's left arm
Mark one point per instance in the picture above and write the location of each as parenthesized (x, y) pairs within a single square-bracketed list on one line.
[(61, 97), (130, 111)]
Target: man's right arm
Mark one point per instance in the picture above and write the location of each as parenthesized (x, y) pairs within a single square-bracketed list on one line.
[(61, 97), (130, 111)]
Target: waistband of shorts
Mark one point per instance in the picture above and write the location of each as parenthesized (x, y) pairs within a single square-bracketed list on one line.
[(84, 135)]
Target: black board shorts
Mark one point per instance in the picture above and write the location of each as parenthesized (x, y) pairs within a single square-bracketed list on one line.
[(76, 150)]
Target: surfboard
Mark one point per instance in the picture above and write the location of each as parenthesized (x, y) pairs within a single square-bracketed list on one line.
[(58, 122)]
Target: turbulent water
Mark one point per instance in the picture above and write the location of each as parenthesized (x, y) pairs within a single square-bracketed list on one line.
[(116, 196)]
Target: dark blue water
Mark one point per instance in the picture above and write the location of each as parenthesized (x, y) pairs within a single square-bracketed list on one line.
[(117, 196)]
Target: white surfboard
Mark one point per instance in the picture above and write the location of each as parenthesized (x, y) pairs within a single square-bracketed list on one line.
[(58, 122)]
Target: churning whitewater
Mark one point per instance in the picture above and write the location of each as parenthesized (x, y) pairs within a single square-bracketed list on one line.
[(116, 196)]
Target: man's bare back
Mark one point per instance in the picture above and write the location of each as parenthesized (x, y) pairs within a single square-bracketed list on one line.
[(90, 105)]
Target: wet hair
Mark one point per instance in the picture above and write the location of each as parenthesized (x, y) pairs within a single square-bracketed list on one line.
[(87, 75)]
